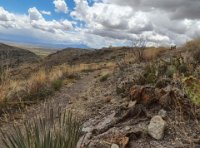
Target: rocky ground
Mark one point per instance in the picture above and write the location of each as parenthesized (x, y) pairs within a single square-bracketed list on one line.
[(134, 104), (124, 114)]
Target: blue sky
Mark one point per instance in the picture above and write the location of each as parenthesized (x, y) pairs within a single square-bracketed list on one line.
[(21, 7), (99, 23)]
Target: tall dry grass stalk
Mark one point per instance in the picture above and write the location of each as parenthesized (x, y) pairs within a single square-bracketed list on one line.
[(43, 82)]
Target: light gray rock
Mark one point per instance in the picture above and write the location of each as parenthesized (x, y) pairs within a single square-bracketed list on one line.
[(131, 104), (157, 127), (114, 146)]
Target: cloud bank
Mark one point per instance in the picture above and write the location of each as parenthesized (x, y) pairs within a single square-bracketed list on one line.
[(101, 23)]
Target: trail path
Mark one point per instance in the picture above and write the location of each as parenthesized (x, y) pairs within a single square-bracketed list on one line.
[(60, 100)]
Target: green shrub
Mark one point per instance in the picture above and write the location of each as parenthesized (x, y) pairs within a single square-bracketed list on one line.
[(149, 76), (45, 133), (57, 84), (162, 68), (183, 68), (171, 70), (192, 88)]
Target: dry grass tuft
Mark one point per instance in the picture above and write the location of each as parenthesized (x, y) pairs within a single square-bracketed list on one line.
[(42, 83), (152, 53)]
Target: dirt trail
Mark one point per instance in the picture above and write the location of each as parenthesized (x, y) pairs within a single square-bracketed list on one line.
[(60, 100)]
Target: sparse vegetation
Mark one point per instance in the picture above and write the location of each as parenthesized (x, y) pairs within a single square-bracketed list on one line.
[(139, 46), (45, 133), (42, 83), (150, 74), (125, 90)]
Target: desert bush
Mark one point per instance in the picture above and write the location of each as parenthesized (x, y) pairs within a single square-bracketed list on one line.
[(139, 47), (192, 88), (183, 68), (175, 66), (45, 133), (38, 95), (171, 70), (151, 53), (149, 75), (57, 84)]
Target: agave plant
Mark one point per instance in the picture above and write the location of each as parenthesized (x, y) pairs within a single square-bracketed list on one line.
[(45, 133)]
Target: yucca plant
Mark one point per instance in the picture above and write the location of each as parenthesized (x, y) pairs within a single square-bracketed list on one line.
[(45, 133)]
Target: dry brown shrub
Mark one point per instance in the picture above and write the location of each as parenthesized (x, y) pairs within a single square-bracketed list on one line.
[(152, 53)]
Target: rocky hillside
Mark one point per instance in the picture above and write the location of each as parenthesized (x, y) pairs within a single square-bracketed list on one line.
[(145, 104), (124, 97), (14, 56), (64, 56), (113, 54)]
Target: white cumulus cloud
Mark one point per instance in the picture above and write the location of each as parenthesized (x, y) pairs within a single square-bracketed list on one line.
[(5, 15), (60, 6), (34, 14), (45, 12)]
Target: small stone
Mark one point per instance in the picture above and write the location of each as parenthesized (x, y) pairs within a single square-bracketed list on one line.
[(157, 127), (162, 113), (127, 128), (131, 104), (70, 102), (87, 129), (114, 146)]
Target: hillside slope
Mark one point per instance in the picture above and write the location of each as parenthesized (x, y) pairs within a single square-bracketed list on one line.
[(64, 56), (14, 56)]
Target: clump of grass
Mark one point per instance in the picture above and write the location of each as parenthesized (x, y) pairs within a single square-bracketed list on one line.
[(104, 77), (149, 75), (57, 84), (45, 133), (171, 70)]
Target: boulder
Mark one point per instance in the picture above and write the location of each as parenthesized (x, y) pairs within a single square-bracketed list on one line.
[(157, 127)]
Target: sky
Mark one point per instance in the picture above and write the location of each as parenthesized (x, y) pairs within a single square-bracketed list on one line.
[(99, 23)]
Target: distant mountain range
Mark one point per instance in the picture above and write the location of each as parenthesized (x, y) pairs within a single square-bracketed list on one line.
[(44, 45)]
